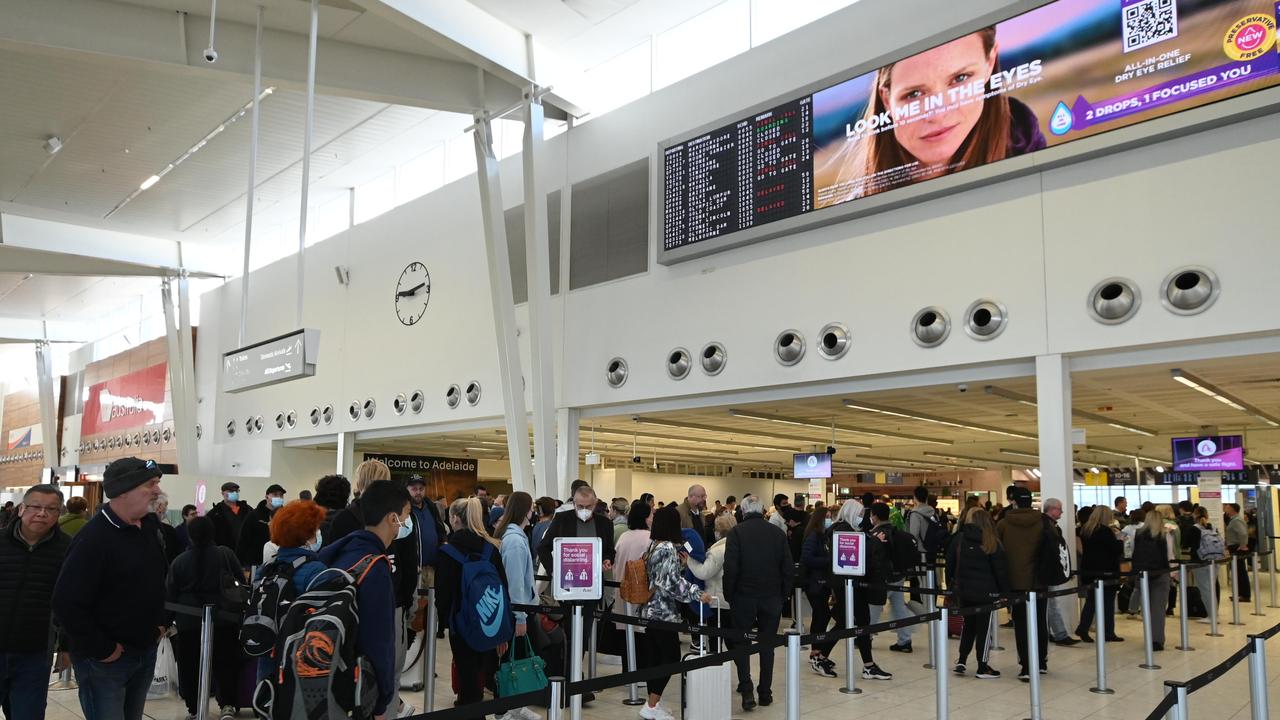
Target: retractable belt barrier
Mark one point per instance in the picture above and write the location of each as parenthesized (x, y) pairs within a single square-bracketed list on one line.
[(1255, 652), (225, 615)]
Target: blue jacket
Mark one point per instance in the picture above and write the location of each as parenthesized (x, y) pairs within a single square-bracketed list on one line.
[(302, 576), (815, 562), (376, 640), (697, 551), (518, 563)]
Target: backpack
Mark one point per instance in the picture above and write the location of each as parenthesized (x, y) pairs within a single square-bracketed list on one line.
[(1211, 545), (322, 674), (935, 534), (1149, 553), (635, 587), (904, 553), (483, 618), (1053, 567), (268, 602)]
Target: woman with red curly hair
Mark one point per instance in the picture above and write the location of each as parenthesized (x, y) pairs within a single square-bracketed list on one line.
[(295, 529)]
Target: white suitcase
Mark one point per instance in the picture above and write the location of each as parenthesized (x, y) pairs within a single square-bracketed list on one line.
[(706, 694)]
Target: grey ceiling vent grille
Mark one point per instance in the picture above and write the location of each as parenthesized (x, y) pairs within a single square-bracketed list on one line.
[(315, 417), (833, 341), (399, 404), (679, 364), (473, 392), (985, 319), (248, 425), (417, 401), (1190, 290), (930, 327), (788, 348), (453, 396), (353, 410), (328, 414), (615, 373), (199, 431), (714, 357), (280, 421), (169, 434), (257, 424), (370, 408), (1114, 300), (291, 420)]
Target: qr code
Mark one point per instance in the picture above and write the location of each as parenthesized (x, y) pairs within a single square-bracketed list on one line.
[(1147, 22)]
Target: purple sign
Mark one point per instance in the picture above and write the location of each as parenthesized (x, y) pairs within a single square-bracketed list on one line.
[(1208, 454), (849, 554), (577, 565)]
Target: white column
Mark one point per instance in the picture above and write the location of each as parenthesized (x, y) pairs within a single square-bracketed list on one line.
[(567, 453), (185, 430), (1053, 406), (504, 309), (541, 328), (183, 421), (48, 411), (346, 455)]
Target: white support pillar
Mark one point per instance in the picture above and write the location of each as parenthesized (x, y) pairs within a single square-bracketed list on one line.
[(48, 410), (1053, 406), (567, 448), (183, 421), (346, 455), (504, 309), (541, 328), (185, 430)]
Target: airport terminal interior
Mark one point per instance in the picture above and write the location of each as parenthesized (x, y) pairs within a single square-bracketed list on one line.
[(766, 359)]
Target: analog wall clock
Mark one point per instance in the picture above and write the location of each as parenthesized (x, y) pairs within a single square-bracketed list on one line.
[(413, 292)]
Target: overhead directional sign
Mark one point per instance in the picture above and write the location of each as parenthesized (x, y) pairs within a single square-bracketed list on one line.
[(280, 359)]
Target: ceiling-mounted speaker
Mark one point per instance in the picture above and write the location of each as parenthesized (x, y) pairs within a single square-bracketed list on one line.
[(1114, 300), (788, 347), (327, 414), (400, 404), (231, 428), (930, 327), (714, 356), (453, 396), (615, 373), (353, 410), (370, 408), (985, 319), (280, 421), (473, 392), (417, 401), (291, 419), (1190, 290), (679, 364), (833, 341), (315, 417)]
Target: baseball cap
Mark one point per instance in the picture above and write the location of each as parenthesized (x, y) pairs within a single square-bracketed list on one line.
[(1021, 496), (230, 487), (273, 489), (415, 480)]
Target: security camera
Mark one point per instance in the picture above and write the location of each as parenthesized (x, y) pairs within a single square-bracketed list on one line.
[(210, 55), (831, 449), (962, 387), (636, 459)]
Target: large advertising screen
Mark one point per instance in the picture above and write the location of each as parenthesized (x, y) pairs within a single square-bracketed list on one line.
[(1064, 71), (1207, 454)]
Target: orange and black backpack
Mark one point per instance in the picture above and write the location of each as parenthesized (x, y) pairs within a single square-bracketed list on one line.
[(320, 674)]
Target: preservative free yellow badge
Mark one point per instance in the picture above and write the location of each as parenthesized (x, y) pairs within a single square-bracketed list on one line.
[(1250, 37)]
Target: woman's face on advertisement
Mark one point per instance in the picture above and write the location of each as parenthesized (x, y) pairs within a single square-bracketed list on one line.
[(935, 138)]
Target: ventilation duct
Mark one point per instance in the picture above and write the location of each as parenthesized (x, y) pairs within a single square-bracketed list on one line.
[(279, 421), (417, 401), (930, 327), (788, 348), (370, 408), (328, 414), (291, 420), (1114, 301), (679, 364), (353, 410), (1190, 290), (473, 392), (399, 404), (833, 341), (453, 396), (714, 357), (985, 319), (315, 417), (616, 372)]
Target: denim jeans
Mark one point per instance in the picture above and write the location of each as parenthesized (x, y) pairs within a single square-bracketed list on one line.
[(117, 690), (1057, 623), (901, 607), (24, 682)]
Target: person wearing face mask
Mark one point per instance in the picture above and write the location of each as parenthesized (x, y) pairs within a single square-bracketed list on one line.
[(168, 534), (257, 529), (229, 516), (385, 507), (815, 564), (518, 563), (295, 532), (583, 522), (711, 570)]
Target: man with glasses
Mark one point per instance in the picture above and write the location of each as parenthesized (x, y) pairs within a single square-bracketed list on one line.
[(31, 553)]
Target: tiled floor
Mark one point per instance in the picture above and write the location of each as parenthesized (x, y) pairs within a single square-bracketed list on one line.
[(911, 693)]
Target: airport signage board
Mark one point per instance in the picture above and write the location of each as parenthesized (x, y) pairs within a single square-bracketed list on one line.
[(280, 359), (849, 554), (577, 568)]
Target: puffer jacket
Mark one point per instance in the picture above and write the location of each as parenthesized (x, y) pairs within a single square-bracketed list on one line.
[(27, 577), (973, 573), (1020, 532), (711, 571)]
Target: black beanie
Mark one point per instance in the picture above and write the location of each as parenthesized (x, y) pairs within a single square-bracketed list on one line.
[(126, 474)]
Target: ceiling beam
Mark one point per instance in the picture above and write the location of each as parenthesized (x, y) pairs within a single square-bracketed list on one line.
[(175, 40)]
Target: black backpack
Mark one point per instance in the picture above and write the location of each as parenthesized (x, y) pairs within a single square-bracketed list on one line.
[(1053, 567), (904, 553), (936, 536), (271, 597)]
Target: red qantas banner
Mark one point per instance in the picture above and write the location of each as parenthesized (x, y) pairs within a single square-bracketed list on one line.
[(124, 402)]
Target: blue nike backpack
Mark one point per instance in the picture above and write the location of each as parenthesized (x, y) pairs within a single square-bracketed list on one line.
[(483, 618)]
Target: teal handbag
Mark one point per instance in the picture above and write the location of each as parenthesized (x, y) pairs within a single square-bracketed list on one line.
[(516, 677)]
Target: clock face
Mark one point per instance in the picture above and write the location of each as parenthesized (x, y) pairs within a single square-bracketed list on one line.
[(413, 292)]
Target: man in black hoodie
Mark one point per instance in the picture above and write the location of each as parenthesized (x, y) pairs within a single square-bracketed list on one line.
[(256, 531), (31, 554), (757, 581), (229, 516)]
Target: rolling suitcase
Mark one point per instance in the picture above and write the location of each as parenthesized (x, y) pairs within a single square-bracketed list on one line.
[(705, 694)]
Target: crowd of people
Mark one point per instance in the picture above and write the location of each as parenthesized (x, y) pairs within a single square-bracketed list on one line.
[(100, 591)]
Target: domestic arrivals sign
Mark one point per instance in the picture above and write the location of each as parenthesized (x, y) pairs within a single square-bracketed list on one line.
[(287, 357)]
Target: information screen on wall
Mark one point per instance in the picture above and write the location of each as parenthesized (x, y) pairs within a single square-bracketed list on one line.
[(1202, 454), (1067, 70)]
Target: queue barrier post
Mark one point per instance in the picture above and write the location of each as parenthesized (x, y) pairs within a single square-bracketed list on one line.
[(993, 632), (1213, 605), (939, 630), (206, 663), (930, 605), (1272, 565), (1183, 619), (793, 674), (1258, 678), (429, 640), (557, 698), (1257, 596), (1180, 709), (1033, 653), (633, 689), (849, 688), (797, 609), (575, 663), (1235, 590), (591, 651), (1148, 650), (1100, 646)]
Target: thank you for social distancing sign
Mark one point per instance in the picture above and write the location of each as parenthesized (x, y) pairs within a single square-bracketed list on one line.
[(577, 571), (849, 554)]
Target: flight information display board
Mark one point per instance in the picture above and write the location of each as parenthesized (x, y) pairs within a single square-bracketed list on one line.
[(1066, 70)]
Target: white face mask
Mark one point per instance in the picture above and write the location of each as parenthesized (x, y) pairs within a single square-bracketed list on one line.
[(405, 528), (314, 545), (584, 514)]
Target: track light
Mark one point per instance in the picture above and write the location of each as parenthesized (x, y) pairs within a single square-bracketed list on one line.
[(1159, 468), (841, 428), (907, 414), (735, 431), (1031, 401), (1222, 396)]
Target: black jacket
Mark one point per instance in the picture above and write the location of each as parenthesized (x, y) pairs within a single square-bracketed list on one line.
[(255, 533), (971, 572), (449, 573), (227, 524), (111, 589), (403, 553), (1189, 532), (196, 578), (757, 561), (172, 544), (1102, 554), (564, 524), (27, 577)]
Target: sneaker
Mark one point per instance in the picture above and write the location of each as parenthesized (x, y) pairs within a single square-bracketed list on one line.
[(656, 712), (959, 669), (1024, 676), (818, 664), (1067, 641), (191, 716), (986, 672), (1044, 669), (901, 647), (873, 672), (227, 713), (406, 710), (830, 665), (524, 713)]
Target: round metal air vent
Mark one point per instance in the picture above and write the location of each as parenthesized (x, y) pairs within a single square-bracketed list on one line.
[(353, 410), (615, 373), (248, 425), (370, 408), (473, 392), (327, 414), (453, 396), (280, 421), (291, 419), (128, 440), (833, 341), (1190, 290), (930, 327), (714, 357), (679, 363), (985, 319), (417, 401), (1114, 300), (155, 437), (315, 417), (788, 347), (168, 434), (231, 428), (199, 431), (399, 404), (257, 425)]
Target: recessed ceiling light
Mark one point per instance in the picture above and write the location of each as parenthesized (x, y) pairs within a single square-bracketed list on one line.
[(909, 415), (873, 432), (1222, 396), (1031, 401)]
